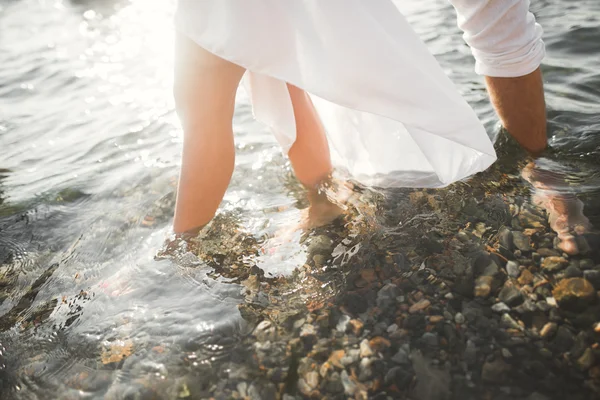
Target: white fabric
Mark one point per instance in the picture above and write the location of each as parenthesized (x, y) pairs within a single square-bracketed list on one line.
[(393, 118), (503, 35)]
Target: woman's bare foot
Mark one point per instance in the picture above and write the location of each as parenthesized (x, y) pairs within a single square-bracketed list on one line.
[(564, 209)]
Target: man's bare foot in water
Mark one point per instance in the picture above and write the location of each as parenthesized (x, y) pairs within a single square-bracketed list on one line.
[(564, 209)]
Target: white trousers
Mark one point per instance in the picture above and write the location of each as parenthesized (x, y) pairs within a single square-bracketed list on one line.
[(503, 35)]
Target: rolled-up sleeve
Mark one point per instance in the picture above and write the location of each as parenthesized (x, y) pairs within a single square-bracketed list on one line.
[(503, 36)]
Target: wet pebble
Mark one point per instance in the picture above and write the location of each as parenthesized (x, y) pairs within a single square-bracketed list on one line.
[(265, 331), (593, 276), (365, 349), (495, 371), (586, 264), (521, 241), (554, 264), (573, 271), (511, 296), (574, 293), (512, 267), (483, 286), (459, 318), (500, 308), (526, 278), (401, 357), (505, 238), (548, 252), (587, 359), (548, 330), (419, 306), (386, 297)]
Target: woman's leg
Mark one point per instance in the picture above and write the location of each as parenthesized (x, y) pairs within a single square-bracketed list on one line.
[(205, 88), (311, 161)]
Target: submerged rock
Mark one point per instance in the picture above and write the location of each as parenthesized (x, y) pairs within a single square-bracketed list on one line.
[(511, 296), (554, 264), (574, 293)]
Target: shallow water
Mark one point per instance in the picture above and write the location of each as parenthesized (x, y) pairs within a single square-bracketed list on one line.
[(89, 152)]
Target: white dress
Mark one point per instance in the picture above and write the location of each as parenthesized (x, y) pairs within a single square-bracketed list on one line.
[(393, 118)]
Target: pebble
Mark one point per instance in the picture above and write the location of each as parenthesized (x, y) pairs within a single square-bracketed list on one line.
[(357, 326), (434, 319), (573, 272), (511, 296), (586, 264), (308, 331), (379, 343), (265, 331), (526, 278), (312, 379), (401, 357), (593, 276), (430, 339), (365, 349), (320, 244), (554, 264), (343, 323), (564, 339), (500, 308), (392, 328), (386, 297), (459, 318), (548, 252), (494, 371), (587, 359), (419, 306), (483, 286), (505, 237), (521, 241), (574, 293), (537, 396), (470, 354), (506, 353), (364, 370), (349, 386), (548, 330), (597, 327), (512, 267)]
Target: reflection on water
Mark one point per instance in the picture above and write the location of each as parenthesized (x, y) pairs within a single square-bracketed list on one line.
[(89, 154)]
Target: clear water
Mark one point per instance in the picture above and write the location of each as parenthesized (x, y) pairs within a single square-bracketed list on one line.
[(89, 152)]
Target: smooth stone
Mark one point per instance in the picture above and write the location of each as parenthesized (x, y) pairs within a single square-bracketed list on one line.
[(586, 264), (459, 318), (521, 241), (430, 339), (564, 339), (574, 293), (587, 359), (349, 386), (365, 349), (593, 276), (554, 264), (312, 379), (500, 308), (470, 354), (512, 267), (506, 353), (495, 371), (511, 296), (548, 252), (573, 272), (526, 278), (386, 297), (264, 331), (483, 286), (343, 323), (419, 306), (320, 244), (548, 330), (392, 328), (401, 357), (505, 237)]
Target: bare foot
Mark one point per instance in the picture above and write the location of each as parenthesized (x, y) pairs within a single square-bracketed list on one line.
[(327, 203), (564, 209)]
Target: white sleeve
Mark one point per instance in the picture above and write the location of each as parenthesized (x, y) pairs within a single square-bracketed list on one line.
[(503, 35)]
